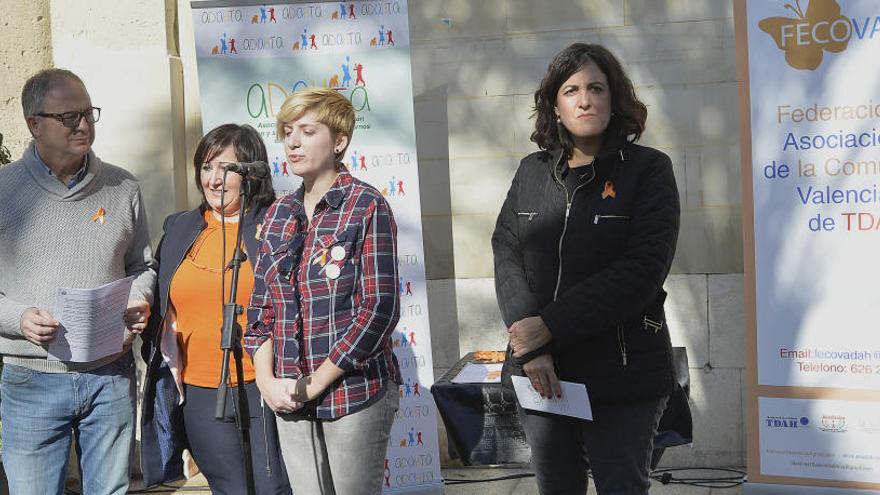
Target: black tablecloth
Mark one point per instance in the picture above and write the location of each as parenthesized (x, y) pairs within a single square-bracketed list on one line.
[(483, 428)]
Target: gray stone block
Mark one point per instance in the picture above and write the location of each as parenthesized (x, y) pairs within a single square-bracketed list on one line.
[(478, 127), (434, 187), (726, 321), (444, 324), (481, 327), (717, 411), (461, 68), (709, 241), (686, 315), (677, 156), (480, 185), (675, 53), (432, 122), (693, 196), (529, 54), (523, 124), (674, 11), (437, 240), (720, 175), (472, 235), (692, 115), (469, 19), (530, 16)]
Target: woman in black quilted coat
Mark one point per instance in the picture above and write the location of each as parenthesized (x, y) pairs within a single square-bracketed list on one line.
[(582, 246)]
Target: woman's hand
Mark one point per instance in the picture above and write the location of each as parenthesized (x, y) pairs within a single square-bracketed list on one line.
[(279, 394), (305, 389), (527, 335), (311, 387), (542, 375)]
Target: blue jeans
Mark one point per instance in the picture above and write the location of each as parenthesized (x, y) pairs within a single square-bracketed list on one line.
[(42, 412)]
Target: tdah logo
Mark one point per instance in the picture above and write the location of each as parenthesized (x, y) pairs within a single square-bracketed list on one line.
[(786, 422), (806, 37)]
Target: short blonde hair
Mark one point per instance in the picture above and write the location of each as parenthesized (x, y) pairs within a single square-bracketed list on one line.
[(330, 107)]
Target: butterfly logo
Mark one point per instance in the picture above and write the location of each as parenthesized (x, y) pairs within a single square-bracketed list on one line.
[(805, 38)]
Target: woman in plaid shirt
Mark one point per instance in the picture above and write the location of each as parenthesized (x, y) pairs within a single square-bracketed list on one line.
[(325, 301)]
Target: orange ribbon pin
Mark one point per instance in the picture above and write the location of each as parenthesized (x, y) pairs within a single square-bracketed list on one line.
[(609, 190), (320, 258), (99, 216)]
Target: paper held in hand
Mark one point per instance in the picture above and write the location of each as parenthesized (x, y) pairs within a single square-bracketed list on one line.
[(575, 401), (92, 325)]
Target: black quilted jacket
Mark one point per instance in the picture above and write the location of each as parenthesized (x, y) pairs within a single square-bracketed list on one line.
[(592, 262)]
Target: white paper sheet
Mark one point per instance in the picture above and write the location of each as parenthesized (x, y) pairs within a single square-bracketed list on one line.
[(574, 402), (479, 373), (91, 321)]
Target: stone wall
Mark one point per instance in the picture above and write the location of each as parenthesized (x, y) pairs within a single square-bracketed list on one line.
[(475, 66), (25, 48)]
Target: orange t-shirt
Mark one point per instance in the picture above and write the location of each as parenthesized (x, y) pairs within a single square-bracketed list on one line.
[(195, 293)]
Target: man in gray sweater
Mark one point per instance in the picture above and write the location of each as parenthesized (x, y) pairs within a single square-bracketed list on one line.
[(67, 219)]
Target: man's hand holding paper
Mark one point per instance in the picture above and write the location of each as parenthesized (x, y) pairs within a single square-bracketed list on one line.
[(90, 326)]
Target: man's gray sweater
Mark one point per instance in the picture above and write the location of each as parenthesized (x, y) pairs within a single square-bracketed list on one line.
[(52, 236)]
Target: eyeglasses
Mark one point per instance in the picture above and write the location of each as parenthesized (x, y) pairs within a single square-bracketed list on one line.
[(71, 120)]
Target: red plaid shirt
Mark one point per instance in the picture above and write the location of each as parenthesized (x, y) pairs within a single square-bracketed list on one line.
[(329, 290)]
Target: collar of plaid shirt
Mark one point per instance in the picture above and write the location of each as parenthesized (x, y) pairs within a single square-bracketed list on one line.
[(333, 197)]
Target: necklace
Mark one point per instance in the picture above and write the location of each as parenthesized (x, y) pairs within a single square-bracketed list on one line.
[(589, 171)]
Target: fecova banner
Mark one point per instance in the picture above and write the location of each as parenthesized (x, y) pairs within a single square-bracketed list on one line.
[(810, 101)]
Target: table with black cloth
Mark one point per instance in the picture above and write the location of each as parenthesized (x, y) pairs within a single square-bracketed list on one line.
[(483, 428)]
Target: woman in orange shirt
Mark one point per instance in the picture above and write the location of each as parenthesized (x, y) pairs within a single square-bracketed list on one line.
[(182, 348)]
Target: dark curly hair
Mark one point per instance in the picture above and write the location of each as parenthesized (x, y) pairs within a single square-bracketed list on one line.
[(248, 146), (628, 113)]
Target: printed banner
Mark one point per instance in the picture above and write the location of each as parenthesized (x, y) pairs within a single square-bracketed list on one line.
[(815, 150), (250, 57), (829, 439), (812, 202)]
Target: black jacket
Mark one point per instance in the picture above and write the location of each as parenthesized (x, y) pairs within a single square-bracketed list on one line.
[(162, 433), (615, 239)]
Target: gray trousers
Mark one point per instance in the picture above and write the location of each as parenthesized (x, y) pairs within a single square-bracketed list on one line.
[(345, 456), (616, 446)]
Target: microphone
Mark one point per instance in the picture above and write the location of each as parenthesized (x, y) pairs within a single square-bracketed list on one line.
[(254, 170)]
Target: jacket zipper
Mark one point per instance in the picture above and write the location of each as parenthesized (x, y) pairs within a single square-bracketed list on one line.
[(621, 340), (602, 217), (651, 324), (621, 343), (568, 202)]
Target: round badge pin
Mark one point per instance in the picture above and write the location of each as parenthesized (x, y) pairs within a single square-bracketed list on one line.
[(337, 253), (332, 271)]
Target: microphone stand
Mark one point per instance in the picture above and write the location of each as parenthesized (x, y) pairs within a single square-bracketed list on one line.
[(230, 341)]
